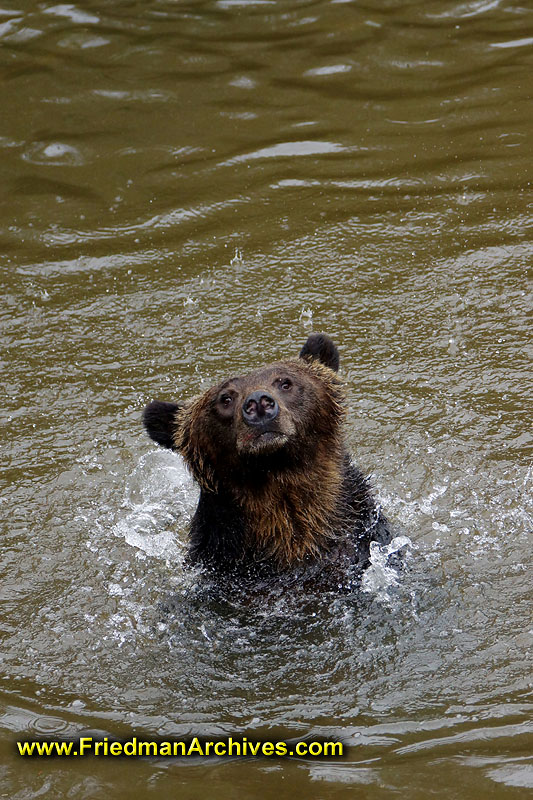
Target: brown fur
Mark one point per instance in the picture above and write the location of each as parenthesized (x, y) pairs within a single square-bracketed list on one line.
[(287, 519), (277, 488)]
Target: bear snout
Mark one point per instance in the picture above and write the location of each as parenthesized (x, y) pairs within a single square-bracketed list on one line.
[(259, 408)]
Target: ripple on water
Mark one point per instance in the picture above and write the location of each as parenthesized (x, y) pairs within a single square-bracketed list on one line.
[(46, 726), (54, 154)]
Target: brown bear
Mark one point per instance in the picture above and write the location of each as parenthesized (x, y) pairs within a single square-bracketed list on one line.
[(278, 492)]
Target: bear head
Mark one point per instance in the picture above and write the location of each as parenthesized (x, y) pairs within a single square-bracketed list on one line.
[(276, 421)]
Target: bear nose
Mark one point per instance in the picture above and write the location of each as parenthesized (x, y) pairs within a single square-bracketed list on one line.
[(259, 407)]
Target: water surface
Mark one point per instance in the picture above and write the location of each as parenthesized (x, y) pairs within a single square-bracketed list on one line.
[(190, 188)]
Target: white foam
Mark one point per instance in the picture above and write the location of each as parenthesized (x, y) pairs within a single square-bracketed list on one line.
[(160, 494), (379, 577)]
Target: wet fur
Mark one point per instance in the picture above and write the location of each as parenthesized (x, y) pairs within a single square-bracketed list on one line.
[(275, 510)]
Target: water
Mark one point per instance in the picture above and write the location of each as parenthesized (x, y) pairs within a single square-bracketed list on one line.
[(189, 189)]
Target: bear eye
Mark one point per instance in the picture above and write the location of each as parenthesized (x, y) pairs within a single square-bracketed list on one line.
[(226, 400), (285, 384)]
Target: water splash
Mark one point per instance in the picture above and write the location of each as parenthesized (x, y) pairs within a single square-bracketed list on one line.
[(159, 494), (380, 576)]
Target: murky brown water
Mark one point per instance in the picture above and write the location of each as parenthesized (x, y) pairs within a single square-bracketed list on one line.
[(188, 189)]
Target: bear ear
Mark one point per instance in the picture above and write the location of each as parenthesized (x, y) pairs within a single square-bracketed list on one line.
[(159, 419), (319, 347)]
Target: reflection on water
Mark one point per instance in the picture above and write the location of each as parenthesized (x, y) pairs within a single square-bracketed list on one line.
[(190, 188)]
